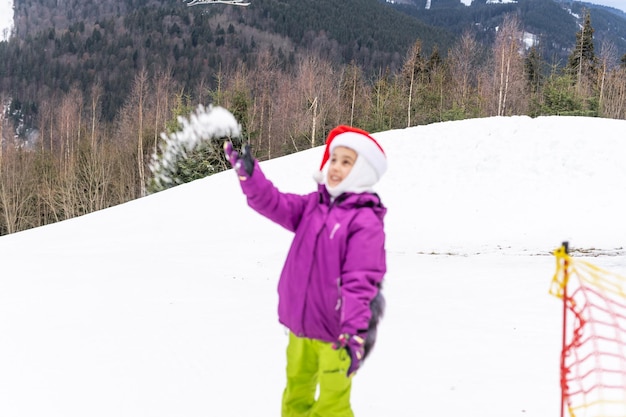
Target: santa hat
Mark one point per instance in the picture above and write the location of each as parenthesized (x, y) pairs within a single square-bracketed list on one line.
[(359, 141)]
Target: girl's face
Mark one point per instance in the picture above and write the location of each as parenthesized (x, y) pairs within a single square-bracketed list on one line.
[(341, 162)]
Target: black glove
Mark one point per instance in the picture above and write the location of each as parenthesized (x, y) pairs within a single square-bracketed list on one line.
[(244, 163)]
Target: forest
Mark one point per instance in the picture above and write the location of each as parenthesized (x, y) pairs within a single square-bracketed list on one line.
[(86, 151), (77, 44)]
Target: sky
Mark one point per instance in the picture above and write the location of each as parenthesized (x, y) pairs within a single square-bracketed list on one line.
[(166, 305), (618, 4)]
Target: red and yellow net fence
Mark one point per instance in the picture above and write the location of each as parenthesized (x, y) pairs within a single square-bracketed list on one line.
[(593, 359)]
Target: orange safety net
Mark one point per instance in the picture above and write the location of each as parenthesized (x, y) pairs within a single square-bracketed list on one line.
[(593, 360)]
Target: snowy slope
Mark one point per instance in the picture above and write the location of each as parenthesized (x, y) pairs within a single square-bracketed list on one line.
[(165, 306)]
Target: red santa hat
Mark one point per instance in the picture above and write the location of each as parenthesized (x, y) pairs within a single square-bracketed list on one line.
[(359, 141)]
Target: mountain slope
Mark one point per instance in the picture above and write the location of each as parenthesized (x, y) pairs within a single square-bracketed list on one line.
[(554, 22)]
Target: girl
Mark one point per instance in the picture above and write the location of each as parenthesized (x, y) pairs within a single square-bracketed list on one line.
[(330, 286)]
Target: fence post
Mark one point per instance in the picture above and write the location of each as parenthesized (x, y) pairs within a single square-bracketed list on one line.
[(565, 248)]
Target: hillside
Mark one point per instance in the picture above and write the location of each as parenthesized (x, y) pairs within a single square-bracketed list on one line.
[(553, 22), (94, 47), (60, 44)]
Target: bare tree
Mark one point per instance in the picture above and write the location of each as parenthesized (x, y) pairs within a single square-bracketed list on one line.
[(463, 66), (163, 86), (314, 87), (412, 70), (607, 60), (304, 101), (139, 92), (2, 119), (130, 131), (509, 68), (16, 190), (70, 125), (352, 94), (96, 94), (614, 93), (69, 131)]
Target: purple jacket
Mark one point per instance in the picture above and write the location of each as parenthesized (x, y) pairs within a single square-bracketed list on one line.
[(336, 262)]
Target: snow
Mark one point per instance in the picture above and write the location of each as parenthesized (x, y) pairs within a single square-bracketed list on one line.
[(529, 40), (166, 305), (501, 1), (6, 19), (205, 123)]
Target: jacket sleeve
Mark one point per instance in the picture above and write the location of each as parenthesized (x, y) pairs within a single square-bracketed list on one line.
[(262, 196), (362, 273)]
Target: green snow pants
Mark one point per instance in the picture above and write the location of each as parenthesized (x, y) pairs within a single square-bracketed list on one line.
[(309, 363)]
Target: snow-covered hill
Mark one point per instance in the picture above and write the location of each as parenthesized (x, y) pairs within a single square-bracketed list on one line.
[(166, 306)]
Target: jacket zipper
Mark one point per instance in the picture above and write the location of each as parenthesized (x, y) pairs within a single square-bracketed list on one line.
[(308, 284)]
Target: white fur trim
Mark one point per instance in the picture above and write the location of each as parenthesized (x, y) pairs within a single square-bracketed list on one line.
[(318, 176), (361, 178)]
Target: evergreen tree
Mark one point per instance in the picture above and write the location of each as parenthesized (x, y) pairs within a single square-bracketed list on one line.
[(560, 97), (434, 61), (533, 69), (582, 60)]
